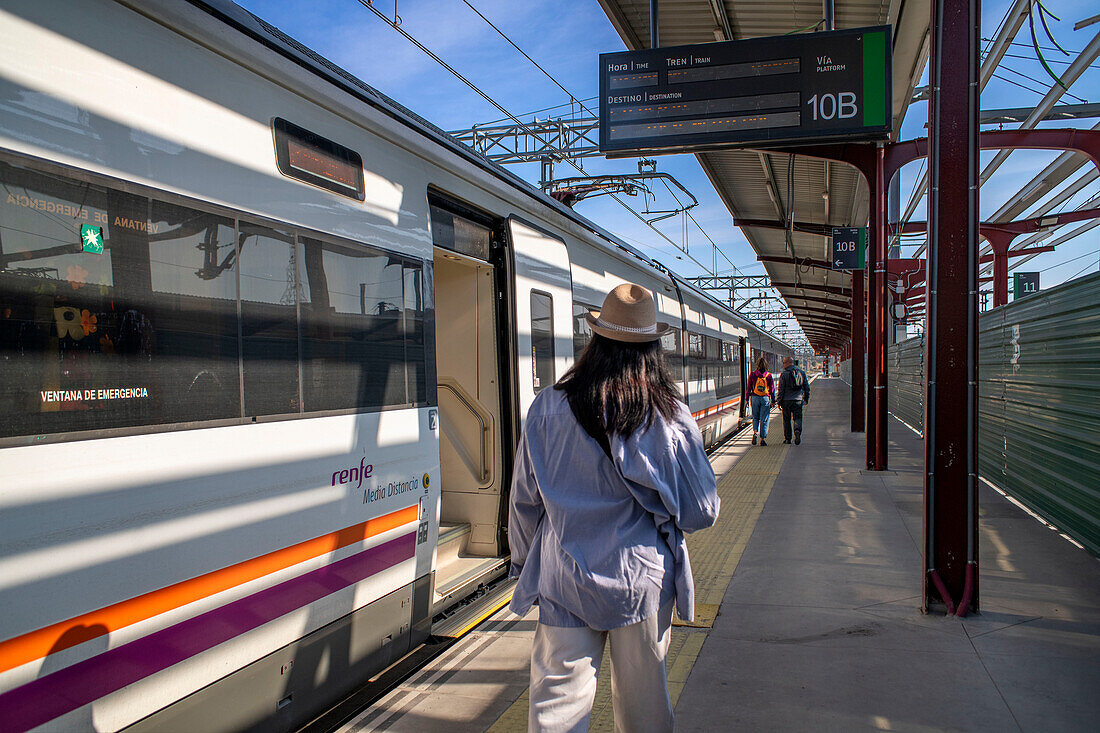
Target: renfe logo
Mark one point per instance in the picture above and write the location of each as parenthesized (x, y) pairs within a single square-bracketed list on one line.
[(355, 473)]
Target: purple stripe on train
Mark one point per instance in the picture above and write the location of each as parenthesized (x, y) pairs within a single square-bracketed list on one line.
[(54, 695)]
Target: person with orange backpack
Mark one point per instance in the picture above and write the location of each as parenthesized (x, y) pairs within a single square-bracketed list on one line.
[(760, 392)]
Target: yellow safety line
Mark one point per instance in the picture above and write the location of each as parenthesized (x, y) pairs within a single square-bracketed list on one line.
[(714, 553), (488, 612)]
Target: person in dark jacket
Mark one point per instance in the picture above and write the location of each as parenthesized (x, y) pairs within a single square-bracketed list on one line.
[(760, 392), (794, 391)]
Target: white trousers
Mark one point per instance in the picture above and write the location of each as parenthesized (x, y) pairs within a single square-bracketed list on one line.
[(564, 665)]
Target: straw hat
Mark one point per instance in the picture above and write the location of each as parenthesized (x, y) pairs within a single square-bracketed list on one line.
[(629, 314)]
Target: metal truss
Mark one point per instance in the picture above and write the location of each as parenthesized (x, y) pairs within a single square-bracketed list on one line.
[(571, 190), (554, 139), (731, 282)]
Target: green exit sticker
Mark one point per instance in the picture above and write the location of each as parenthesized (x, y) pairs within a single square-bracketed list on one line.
[(91, 239)]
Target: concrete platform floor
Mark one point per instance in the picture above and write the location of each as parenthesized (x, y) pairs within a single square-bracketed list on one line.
[(819, 627)]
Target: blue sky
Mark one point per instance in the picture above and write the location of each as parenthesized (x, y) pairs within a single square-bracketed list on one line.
[(566, 36)]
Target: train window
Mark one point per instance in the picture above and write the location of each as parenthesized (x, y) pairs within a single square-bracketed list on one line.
[(120, 311), (542, 340), (308, 157), (193, 312), (418, 344), (713, 348), (269, 320), (582, 332), (108, 317), (670, 347), (459, 234), (728, 382), (353, 327), (695, 346)]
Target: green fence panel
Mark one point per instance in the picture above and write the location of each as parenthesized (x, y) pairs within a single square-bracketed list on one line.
[(1039, 405), (1038, 402), (905, 385)]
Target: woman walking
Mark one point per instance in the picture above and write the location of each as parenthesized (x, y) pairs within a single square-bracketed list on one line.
[(760, 391), (610, 473)]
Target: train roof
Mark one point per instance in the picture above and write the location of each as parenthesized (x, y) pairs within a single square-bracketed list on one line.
[(271, 37)]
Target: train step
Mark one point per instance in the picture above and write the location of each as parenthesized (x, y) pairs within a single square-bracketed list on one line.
[(475, 611), (456, 573)]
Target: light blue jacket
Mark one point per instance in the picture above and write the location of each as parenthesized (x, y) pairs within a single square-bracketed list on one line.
[(601, 544)]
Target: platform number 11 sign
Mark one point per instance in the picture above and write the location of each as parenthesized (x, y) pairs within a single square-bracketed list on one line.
[(1024, 283)]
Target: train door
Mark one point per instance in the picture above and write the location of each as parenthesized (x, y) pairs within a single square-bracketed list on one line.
[(743, 368), (544, 311), (474, 400)]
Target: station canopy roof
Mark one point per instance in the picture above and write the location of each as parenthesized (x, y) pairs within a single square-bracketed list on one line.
[(754, 185)]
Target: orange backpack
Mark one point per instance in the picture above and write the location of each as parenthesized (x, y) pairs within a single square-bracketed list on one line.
[(761, 386)]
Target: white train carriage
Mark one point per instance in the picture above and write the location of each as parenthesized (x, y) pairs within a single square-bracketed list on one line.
[(266, 344)]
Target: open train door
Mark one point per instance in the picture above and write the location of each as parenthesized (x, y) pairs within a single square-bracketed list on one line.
[(543, 310)]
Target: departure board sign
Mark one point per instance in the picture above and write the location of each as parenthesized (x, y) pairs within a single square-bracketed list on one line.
[(779, 90), (849, 246)]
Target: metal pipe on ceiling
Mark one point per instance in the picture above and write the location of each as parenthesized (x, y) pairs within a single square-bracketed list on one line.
[(654, 37)]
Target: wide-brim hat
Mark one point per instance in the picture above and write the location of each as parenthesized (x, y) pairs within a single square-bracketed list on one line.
[(629, 314)]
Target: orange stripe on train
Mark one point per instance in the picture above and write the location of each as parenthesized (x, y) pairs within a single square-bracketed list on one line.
[(715, 408), (42, 642)]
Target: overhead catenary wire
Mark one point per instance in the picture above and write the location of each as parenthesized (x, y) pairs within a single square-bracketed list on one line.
[(581, 103), (396, 23), (1030, 78), (540, 111), (1049, 61), (1083, 270), (1016, 84), (1066, 262), (1028, 45), (509, 116), (397, 27)]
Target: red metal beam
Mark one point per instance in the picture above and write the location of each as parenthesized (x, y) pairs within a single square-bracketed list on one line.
[(985, 259), (877, 319), (827, 331), (839, 325), (823, 311), (1037, 223), (857, 394), (804, 262), (843, 303), (1082, 141), (802, 227), (832, 289)]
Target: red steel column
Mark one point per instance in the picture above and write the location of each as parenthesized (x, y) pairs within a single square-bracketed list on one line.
[(999, 242), (855, 352), (878, 319), (950, 489)]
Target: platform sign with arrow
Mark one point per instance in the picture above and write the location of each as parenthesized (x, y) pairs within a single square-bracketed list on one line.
[(849, 246)]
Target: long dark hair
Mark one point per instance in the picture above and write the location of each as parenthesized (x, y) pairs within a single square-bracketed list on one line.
[(617, 387)]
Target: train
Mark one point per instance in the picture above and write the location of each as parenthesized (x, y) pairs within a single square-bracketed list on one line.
[(267, 340)]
